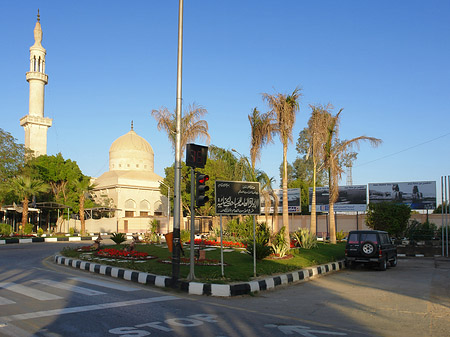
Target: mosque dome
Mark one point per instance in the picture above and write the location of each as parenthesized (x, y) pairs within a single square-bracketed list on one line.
[(131, 152)]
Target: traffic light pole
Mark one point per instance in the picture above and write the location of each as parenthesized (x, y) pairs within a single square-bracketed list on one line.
[(191, 275)]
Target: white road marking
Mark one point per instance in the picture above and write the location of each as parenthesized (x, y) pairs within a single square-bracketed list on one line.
[(105, 284), (4, 301), (73, 310), (30, 292), (69, 287)]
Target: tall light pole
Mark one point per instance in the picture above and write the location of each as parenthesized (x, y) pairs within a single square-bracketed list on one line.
[(168, 205), (177, 183)]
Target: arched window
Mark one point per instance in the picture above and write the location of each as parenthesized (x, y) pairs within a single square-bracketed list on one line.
[(158, 208), (144, 208), (130, 207)]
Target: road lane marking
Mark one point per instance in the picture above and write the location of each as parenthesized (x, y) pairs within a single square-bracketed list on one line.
[(105, 284), (30, 292), (69, 287), (73, 310), (4, 301)]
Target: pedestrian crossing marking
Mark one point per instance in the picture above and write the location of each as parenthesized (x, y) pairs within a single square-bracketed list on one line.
[(4, 301), (28, 291), (69, 287), (105, 284)]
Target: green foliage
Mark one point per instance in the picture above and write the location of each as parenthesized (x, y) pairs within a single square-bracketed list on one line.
[(118, 238), (28, 229), (280, 245), (71, 231), (420, 231), (261, 242), (40, 231), (5, 229), (387, 216), (340, 235), (239, 231), (439, 209), (185, 235), (12, 160), (305, 238), (152, 234)]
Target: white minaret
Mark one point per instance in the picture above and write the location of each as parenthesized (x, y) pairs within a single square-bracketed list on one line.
[(35, 124)]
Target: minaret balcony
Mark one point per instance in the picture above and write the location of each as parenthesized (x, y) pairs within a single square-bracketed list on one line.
[(37, 120), (35, 75)]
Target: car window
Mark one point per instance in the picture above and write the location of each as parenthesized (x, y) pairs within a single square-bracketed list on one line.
[(353, 238), (384, 238), (372, 237)]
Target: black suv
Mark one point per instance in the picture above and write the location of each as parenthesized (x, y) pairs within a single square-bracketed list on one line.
[(372, 247)]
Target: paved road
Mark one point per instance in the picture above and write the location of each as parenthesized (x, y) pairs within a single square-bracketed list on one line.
[(43, 299)]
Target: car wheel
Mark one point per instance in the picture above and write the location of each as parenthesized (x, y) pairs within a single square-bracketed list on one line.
[(383, 265), (368, 249), (393, 262)]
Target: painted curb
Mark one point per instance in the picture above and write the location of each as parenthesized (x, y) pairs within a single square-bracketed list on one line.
[(196, 288), (43, 239)]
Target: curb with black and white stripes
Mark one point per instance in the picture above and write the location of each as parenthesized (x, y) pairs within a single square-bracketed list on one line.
[(196, 288)]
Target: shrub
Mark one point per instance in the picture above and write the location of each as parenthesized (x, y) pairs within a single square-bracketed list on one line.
[(263, 250), (280, 246), (5, 229), (118, 238), (305, 238), (185, 235), (152, 234), (239, 231), (420, 231), (340, 235), (28, 229), (40, 231), (71, 231)]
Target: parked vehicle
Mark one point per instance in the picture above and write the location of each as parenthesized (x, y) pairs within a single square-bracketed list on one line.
[(370, 247)]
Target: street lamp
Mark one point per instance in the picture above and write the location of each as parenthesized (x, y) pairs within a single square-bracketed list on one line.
[(168, 205)]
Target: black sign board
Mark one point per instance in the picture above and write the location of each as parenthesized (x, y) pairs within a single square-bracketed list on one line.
[(196, 155), (237, 197)]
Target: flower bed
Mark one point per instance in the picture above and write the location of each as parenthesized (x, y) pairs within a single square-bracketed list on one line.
[(187, 261), (123, 254), (217, 243)]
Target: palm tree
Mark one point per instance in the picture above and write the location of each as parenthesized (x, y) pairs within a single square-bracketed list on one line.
[(24, 187), (316, 135), (82, 187), (262, 129), (192, 127), (334, 152), (283, 109)]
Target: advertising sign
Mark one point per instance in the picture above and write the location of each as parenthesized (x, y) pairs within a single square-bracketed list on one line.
[(417, 195), (294, 201), (351, 199), (237, 197)]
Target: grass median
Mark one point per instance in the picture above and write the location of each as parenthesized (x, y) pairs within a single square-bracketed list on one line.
[(238, 264)]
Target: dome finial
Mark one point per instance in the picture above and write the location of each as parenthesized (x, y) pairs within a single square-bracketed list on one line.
[(132, 126), (38, 16)]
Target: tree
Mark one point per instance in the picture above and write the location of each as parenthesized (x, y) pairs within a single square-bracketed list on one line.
[(262, 130), (12, 160), (334, 152), (192, 127), (316, 137), (283, 109), (388, 216), (25, 187), (82, 188)]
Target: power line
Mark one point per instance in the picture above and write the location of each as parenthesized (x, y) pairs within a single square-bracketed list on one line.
[(404, 150)]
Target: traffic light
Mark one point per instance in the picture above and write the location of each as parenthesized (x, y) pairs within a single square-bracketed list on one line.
[(201, 188)]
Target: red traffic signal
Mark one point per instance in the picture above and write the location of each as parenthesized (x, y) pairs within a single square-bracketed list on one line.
[(201, 189)]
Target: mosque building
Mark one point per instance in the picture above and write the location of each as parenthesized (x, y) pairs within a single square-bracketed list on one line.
[(131, 184)]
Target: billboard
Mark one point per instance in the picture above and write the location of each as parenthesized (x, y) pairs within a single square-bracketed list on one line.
[(294, 204), (417, 195), (237, 197), (351, 199)]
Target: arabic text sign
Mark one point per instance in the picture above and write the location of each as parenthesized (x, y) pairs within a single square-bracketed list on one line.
[(237, 197)]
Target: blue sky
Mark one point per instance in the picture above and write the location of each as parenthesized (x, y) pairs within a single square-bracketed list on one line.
[(386, 63)]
